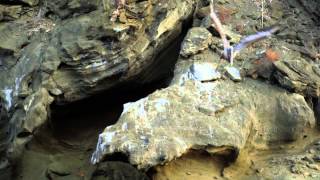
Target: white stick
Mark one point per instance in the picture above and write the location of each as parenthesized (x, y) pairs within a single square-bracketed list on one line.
[(219, 28)]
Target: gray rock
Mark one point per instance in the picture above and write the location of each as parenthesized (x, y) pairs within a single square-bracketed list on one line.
[(233, 73), (299, 75), (10, 12), (200, 72), (205, 65), (68, 8), (197, 39), (204, 72)]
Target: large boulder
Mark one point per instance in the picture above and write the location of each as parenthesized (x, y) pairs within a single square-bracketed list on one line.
[(204, 112), (67, 51), (211, 116)]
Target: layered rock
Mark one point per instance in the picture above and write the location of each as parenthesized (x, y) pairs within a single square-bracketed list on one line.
[(299, 69), (204, 110), (67, 51), (299, 75)]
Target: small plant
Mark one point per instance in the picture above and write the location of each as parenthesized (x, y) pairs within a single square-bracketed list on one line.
[(219, 28)]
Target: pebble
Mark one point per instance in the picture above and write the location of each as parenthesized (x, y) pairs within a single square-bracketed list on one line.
[(56, 91), (204, 72), (233, 73), (311, 151)]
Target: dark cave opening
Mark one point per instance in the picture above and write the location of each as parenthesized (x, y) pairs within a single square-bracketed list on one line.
[(98, 111), (76, 126), (72, 129), (105, 108)]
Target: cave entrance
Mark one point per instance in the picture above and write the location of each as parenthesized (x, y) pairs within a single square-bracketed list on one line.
[(62, 148)]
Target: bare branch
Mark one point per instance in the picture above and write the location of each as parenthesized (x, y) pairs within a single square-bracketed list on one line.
[(229, 52), (219, 28)]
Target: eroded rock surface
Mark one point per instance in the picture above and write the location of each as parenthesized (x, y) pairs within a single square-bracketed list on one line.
[(217, 115), (300, 76), (69, 50), (197, 40), (301, 71), (196, 115)]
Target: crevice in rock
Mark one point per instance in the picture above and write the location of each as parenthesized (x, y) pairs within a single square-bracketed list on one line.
[(12, 3), (71, 134), (118, 157), (193, 163)]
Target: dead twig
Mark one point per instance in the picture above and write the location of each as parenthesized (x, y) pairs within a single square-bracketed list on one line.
[(219, 28)]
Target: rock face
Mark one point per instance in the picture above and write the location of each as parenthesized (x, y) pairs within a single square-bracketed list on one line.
[(300, 76), (212, 116), (166, 124), (69, 50), (299, 70), (197, 40), (64, 51), (203, 112)]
